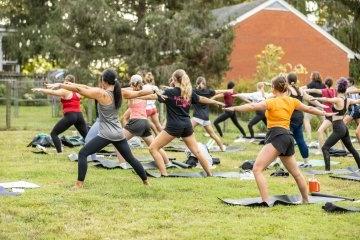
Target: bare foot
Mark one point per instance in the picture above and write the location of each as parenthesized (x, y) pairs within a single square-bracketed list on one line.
[(305, 201), (78, 185)]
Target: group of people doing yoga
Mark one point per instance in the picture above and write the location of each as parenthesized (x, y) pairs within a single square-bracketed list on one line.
[(281, 110)]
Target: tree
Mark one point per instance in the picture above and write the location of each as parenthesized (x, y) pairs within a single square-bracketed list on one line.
[(144, 34), (269, 64)]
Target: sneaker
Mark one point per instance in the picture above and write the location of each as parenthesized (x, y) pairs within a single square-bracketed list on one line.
[(305, 165), (41, 148)]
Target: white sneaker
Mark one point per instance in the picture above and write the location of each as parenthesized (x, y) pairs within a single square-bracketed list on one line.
[(41, 148)]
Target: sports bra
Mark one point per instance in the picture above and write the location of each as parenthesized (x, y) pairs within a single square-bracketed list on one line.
[(342, 111)]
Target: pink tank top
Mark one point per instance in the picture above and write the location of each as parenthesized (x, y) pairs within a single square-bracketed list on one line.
[(137, 109)]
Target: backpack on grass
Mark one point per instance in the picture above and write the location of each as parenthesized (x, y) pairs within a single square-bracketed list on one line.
[(41, 139)]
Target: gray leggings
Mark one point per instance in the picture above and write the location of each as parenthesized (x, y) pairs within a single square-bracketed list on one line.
[(92, 133)]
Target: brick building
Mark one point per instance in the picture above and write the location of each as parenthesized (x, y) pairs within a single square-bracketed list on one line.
[(261, 22)]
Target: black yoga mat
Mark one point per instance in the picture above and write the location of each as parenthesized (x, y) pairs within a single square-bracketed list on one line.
[(231, 148), (277, 200), (350, 177), (322, 172), (110, 164), (332, 208), (181, 164), (244, 176)]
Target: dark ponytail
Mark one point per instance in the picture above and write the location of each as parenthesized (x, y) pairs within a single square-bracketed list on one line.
[(292, 81), (109, 76), (117, 94)]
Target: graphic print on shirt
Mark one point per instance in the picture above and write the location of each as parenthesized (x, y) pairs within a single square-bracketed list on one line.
[(181, 102)]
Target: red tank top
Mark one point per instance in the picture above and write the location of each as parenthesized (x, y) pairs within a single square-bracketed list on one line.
[(229, 98), (72, 104), (328, 93)]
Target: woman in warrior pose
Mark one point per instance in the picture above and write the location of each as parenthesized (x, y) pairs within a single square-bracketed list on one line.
[(178, 125), (278, 141), (70, 101), (340, 131)]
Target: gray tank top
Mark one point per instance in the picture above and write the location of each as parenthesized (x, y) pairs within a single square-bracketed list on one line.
[(110, 127)]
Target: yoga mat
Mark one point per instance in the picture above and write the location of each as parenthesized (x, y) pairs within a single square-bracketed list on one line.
[(19, 184), (319, 194), (238, 175), (347, 177), (4, 192), (277, 200), (181, 164), (110, 164), (332, 208), (322, 172), (231, 148), (319, 163)]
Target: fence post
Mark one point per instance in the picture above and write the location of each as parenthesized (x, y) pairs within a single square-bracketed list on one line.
[(16, 97), (8, 104)]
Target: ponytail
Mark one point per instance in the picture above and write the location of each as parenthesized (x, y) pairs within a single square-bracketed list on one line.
[(292, 80), (185, 85), (117, 94), (110, 77)]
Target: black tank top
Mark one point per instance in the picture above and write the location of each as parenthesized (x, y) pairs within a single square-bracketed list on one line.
[(297, 117), (342, 111)]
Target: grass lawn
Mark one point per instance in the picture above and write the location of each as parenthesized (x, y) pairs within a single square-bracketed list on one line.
[(115, 205)]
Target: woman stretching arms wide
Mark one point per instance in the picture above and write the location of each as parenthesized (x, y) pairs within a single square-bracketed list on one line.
[(278, 141), (178, 124), (109, 98), (340, 131), (70, 101)]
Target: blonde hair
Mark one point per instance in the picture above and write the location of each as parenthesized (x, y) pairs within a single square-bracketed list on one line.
[(181, 77), (149, 78)]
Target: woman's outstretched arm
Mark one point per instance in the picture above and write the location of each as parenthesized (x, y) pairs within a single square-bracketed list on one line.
[(208, 101), (58, 92), (312, 110), (249, 107)]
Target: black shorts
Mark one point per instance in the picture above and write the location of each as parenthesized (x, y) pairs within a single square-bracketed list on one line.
[(282, 140), (183, 130), (139, 127), (354, 111)]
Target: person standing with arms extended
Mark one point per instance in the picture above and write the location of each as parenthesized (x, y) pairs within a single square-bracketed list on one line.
[(340, 131), (109, 98), (202, 111), (178, 124), (151, 110), (229, 98), (278, 141), (70, 101), (315, 83)]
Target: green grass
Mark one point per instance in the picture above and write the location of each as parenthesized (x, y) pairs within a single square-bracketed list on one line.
[(115, 205)]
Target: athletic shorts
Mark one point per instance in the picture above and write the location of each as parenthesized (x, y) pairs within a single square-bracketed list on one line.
[(151, 112), (354, 111), (329, 118), (138, 127), (203, 123), (282, 140), (180, 131)]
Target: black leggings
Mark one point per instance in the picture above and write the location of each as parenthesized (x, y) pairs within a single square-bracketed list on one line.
[(98, 143), (259, 116), (225, 115), (69, 119), (340, 132)]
